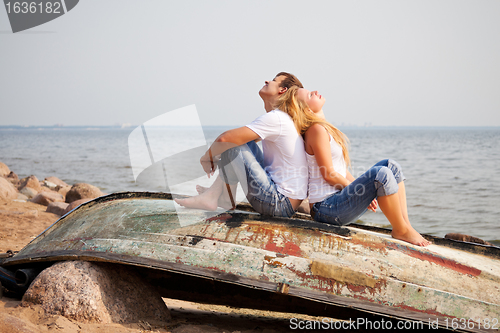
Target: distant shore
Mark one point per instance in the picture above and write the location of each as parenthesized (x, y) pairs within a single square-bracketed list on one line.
[(130, 126)]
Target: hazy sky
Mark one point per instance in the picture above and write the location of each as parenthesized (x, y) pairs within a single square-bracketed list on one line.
[(427, 63)]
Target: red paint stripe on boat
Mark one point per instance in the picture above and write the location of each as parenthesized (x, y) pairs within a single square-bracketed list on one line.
[(438, 260)]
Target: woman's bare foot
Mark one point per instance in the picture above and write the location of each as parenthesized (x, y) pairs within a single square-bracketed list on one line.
[(410, 236)]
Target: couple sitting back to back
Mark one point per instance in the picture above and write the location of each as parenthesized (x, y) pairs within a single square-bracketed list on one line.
[(302, 156)]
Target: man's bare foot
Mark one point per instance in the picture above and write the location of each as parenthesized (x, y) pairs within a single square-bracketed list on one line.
[(411, 236), (202, 201)]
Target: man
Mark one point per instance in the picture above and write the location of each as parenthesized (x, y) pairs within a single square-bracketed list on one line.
[(275, 179)]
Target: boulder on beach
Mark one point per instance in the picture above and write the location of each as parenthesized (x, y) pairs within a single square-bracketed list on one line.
[(56, 181), (7, 190), (49, 185), (96, 292), (13, 178), (58, 208), (82, 191), (466, 238), (29, 192), (31, 182), (75, 204), (22, 197), (4, 169), (46, 197), (63, 189)]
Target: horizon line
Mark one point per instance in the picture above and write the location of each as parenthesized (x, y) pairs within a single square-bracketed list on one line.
[(128, 126)]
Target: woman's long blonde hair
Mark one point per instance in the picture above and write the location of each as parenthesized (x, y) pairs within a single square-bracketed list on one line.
[(303, 118)]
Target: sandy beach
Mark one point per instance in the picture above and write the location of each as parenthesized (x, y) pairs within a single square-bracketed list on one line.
[(22, 221)]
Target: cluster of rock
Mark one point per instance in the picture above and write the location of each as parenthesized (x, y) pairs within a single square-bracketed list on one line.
[(79, 290), (52, 192)]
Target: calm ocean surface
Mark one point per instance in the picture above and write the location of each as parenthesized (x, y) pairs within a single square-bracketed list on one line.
[(453, 174)]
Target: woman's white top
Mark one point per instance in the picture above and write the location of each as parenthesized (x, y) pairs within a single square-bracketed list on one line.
[(284, 153), (318, 188)]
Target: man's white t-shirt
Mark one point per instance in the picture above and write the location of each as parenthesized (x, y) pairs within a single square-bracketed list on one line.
[(284, 153)]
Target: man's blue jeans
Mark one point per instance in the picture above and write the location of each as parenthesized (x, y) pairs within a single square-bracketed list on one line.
[(245, 165)]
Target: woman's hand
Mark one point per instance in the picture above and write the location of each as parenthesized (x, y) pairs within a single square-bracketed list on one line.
[(373, 205)]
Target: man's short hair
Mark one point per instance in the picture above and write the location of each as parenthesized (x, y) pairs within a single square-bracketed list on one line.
[(289, 81)]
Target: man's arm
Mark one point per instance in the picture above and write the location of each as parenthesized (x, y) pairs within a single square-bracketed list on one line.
[(229, 139)]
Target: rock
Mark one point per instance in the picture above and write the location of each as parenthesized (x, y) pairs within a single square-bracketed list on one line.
[(31, 182), (7, 190), (56, 181), (63, 189), (82, 191), (58, 208), (466, 238), (22, 197), (46, 197), (4, 170), (29, 192), (75, 204), (13, 178), (49, 185), (96, 292)]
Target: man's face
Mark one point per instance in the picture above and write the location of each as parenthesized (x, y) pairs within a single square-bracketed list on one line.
[(272, 88)]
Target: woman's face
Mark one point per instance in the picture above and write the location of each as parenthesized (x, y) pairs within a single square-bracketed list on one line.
[(312, 98)]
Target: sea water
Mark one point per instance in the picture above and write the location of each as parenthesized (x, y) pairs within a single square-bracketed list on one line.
[(452, 174)]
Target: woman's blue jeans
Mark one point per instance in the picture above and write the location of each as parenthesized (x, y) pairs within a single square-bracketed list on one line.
[(245, 165), (352, 202)]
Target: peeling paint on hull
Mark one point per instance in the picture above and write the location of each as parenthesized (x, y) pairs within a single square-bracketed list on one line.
[(296, 256)]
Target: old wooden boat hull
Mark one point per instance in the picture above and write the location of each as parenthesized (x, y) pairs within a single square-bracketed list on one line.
[(248, 260)]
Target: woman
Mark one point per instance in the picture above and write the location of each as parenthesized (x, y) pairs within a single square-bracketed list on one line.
[(335, 196)]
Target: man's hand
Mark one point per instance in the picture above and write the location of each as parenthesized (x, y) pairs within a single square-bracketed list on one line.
[(209, 164), (225, 141)]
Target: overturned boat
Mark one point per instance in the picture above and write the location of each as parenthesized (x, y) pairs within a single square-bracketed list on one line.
[(243, 259)]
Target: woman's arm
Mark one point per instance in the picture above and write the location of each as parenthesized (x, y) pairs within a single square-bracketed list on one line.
[(317, 142), (349, 177)]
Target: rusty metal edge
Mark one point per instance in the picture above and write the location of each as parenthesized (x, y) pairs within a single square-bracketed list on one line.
[(358, 305)]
